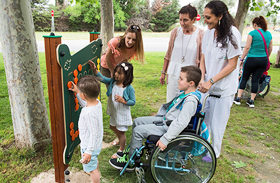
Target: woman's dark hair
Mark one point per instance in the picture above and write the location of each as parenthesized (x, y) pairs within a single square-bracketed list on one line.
[(219, 8), (189, 9), (127, 69), (261, 22)]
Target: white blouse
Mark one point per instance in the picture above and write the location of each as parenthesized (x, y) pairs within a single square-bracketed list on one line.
[(188, 51)]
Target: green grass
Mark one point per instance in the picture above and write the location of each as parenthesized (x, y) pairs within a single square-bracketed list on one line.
[(248, 132)]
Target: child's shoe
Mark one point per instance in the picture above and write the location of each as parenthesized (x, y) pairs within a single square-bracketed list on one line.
[(250, 103), (120, 163), (122, 153), (237, 100)]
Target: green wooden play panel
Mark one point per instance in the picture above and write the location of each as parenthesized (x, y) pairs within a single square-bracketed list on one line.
[(73, 67)]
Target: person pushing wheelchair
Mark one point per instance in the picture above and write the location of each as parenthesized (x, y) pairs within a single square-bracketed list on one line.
[(180, 110)]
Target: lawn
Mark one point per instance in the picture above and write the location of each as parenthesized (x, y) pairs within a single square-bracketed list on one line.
[(252, 136)]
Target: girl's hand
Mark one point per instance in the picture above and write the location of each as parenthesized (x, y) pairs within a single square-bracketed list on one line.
[(162, 79), (74, 88), (120, 99), (93, 67), (205, 87), (86, 157)]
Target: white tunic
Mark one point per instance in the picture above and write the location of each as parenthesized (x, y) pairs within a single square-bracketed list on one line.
[(189, 52), (118, 112), (216, 58), (90, 126)]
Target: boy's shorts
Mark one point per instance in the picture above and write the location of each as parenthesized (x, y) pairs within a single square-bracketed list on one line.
[(122, 128), (92, 165)]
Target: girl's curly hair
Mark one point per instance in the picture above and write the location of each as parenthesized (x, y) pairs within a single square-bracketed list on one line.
[(219, 8)]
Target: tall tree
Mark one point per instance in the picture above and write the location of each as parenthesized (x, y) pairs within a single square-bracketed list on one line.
[(107, 22), (28, 107)]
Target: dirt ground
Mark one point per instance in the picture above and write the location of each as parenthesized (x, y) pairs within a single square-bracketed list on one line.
[(76, 176)]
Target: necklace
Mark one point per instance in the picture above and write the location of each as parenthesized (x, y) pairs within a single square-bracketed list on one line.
[(183, 54)]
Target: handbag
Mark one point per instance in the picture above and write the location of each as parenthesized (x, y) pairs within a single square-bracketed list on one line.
[(268, 62)]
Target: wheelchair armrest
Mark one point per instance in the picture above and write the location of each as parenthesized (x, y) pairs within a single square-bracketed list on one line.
[(153, 138)]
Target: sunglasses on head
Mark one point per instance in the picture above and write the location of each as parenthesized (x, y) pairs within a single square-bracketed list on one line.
[(135, 27)]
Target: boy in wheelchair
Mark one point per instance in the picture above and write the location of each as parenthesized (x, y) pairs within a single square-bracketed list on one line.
[(179, 111)]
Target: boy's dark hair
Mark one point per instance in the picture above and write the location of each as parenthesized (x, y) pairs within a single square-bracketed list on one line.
[(193, 74), (127, 69), (189, 9), (89, 85)]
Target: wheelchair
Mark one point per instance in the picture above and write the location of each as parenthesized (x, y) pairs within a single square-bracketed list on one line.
[(182, 160)]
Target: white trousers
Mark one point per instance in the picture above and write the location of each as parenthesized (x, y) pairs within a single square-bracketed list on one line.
[(172, 87), (217, 111)]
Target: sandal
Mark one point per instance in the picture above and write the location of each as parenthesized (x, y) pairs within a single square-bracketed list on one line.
[(115, 143), (115, 156)]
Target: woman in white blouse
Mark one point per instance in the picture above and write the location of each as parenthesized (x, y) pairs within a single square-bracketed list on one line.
[(184, 49)]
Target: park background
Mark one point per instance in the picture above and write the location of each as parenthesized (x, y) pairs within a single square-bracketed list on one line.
[(251, 144)]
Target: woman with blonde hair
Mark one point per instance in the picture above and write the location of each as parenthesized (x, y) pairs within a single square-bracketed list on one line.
[(123, 48)]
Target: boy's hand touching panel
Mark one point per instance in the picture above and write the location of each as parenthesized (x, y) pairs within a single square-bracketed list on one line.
[(86, 157), (93, 67), (161, 145), (120, 99), (74, 88)]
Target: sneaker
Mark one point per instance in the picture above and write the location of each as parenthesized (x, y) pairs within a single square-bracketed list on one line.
[(237, 100), (120, 163), (121, 154), (207, 159), (250, 103)]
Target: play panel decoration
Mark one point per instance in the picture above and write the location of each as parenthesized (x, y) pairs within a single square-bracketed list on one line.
[(73, 67)]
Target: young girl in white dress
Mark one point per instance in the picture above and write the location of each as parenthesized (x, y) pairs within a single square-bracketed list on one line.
[(121, 96)]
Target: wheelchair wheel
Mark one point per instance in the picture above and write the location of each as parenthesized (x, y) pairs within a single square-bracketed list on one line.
[(265, 90), (184, 160)]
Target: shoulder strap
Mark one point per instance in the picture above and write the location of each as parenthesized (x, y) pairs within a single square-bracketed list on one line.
[(264, 43), (268, 62)]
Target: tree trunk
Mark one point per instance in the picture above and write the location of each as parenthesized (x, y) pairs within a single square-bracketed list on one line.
[(28, 107), (241, 13), (107, 22)]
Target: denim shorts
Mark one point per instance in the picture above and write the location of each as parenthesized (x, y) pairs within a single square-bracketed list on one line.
[(92, 165)]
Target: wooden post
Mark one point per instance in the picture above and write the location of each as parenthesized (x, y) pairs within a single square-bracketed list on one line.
[(93, 36), (55, 105)]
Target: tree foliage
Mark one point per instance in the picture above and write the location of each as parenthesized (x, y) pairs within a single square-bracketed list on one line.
[(166, 14)]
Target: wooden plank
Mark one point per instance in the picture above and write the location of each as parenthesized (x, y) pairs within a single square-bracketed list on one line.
[(55, 105)]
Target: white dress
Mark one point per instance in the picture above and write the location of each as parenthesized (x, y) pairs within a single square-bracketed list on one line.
[(218, 109), (119, 113)]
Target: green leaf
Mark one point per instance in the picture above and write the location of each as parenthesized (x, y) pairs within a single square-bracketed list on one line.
[(254, 4), (252, 9), (240, 164), (257, 9), (261, 4)]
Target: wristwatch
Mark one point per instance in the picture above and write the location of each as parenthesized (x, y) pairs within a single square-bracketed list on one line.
[(162, 72), (212, 81)]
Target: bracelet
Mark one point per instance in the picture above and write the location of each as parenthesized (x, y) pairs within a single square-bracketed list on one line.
[(241, 60), (162, 72), (212, 81)]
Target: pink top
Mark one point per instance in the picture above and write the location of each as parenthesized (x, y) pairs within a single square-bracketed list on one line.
[(118, 56)]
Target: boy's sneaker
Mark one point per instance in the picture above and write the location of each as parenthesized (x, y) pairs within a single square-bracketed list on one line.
[(121, 154), (120, 163), (237, 100), (250, 103)]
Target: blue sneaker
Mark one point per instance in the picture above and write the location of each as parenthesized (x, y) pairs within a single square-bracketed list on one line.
[(207, 159)]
